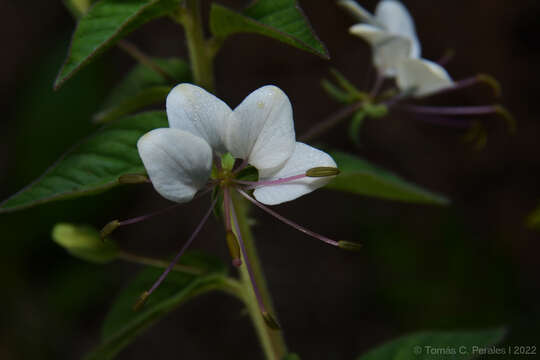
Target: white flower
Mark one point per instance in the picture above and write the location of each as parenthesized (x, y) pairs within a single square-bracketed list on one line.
[(396, 48), (422, 77), (259, 131)]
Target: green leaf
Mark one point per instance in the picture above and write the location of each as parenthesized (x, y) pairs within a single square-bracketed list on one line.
[(122, 325), (92, 166), (140, 100), (360, 177), (282, 20), (143, 86), (84, 242), (106, 22), (437, 345)]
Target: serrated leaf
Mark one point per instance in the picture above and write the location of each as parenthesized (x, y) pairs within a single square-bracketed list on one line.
[(92, 166), (360, 177), (436, 345), (282, 20), (122, 325), (106, 22)]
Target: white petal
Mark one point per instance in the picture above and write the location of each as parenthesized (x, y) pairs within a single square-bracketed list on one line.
[(423, 76), (396, 19), (388, 49), (358, 11), (261, 128), (195, 110), (304, 158), (178, 163)]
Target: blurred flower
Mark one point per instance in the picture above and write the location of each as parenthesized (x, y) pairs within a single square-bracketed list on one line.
[(396, 48)]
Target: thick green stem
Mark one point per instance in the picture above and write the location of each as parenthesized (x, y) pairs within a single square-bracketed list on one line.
[(272, 340), (201, 53)]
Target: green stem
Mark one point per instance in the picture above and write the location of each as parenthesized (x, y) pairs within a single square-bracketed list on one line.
[(330, 122), (272, 340), (201, 51)]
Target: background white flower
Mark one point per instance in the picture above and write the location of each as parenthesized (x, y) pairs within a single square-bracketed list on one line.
[(396, 48)]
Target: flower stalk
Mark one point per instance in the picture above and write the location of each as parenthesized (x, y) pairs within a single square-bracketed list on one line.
[(272, 340)]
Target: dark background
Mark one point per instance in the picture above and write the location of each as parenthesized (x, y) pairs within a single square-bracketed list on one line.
[(467, 266)]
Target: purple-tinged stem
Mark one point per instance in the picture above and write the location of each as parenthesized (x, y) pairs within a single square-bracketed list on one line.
[(246, 260), (331, 121), (147, 216), (289, 222), (441, 110), (254, 184), (158, 212), (183, 249), (458, 85), (477, 79)]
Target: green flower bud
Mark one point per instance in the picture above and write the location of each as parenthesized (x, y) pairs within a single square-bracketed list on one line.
[(84, 242)]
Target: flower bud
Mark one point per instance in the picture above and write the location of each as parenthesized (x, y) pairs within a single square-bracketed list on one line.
[(133, 179), (84, 242), (322, 171), (234, 249), (109, 228), (348, 245), (270, 321)]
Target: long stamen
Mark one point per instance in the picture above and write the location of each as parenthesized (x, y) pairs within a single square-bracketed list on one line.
[(289, 222), (146, 294), (465, 83), (254, 184), (268, 318), (114, 224), (459, 110)]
